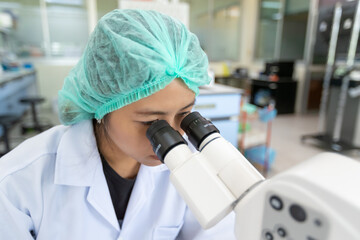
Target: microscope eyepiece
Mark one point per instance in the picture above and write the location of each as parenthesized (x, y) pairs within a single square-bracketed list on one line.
[(163, 138), (197, 128)]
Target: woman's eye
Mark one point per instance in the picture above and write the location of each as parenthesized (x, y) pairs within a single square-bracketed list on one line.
[(183, 114), (148, 123)]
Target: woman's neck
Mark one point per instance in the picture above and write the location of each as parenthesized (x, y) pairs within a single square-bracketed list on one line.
[(125, 166), (122, 164)]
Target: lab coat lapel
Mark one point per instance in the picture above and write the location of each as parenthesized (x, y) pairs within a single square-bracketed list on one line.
[(142, 192), (77, 156), (143, 188), (99, 198)]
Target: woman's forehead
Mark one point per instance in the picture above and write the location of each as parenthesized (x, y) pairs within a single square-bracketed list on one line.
[(173, 98), (174, 94)]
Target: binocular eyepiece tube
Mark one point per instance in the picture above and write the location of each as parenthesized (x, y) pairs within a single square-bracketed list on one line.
[(163, 137), (197, 128)]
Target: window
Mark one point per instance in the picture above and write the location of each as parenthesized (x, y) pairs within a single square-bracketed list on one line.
[(45, 28), (217, 25), (24, 36), (282, 29), (68, 27)]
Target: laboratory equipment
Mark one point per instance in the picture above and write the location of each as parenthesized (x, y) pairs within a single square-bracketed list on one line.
[(35, 125), (338, 131), (6, 121), (13, 87), (318, 199)]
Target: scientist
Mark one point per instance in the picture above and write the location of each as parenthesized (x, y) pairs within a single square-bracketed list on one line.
[(96, 176)]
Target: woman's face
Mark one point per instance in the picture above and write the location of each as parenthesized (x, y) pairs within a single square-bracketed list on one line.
[(127, 126)]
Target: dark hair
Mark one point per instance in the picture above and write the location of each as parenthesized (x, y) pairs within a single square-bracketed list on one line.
[(102, 129)]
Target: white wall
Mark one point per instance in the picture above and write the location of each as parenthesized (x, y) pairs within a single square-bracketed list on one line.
[(249, 20), (247, 43), (50, 78)]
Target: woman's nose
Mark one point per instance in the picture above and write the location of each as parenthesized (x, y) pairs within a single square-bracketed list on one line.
[(175, 124)]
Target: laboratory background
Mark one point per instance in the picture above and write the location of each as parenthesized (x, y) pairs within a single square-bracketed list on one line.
[(285, 73)]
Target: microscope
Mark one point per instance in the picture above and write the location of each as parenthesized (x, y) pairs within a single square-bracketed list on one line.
[(317, 199)]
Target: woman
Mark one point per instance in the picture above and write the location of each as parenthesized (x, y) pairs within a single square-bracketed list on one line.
[(96, 176)]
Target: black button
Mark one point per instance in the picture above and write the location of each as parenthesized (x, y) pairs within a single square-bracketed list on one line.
[(298, 213), (281, 232), (269, 236), (318, 222), (276, 202), (310, 238)]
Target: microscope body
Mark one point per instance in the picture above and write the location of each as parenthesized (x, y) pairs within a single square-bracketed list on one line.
[(318, 199)]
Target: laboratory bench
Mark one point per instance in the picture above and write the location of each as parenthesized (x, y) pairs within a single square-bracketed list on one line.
[(241, 82), (14, 75), (261, 91), (13, 87)]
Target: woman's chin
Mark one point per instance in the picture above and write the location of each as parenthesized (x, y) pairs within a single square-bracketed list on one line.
[(152, 161)]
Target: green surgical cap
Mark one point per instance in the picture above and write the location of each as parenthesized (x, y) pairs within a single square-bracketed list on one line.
[(130, 55)]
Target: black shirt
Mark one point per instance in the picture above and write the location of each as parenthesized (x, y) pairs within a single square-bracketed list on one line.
[(120, 189)]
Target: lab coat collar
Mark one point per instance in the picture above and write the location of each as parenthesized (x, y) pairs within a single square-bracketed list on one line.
[(99, 197), (77, 156), (78, 164)]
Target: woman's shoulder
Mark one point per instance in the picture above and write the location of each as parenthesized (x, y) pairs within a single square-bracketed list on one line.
[(39, 153), (32, 150)]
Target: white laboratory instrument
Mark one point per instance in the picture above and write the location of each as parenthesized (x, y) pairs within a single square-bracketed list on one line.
[(318, 199)]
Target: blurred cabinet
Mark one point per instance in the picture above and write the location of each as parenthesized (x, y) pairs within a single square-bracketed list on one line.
[(282, 92), (221, 104)]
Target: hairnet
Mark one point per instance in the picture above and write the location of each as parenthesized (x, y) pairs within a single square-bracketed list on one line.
[(130, 55)]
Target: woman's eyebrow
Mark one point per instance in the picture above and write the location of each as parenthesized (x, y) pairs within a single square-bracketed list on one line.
[(154, 112), (189, 105)]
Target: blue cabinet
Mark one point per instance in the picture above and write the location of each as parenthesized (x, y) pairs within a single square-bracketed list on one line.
[(221, 104)]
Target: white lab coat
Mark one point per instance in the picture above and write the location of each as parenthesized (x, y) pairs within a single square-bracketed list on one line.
[(54, 184)]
